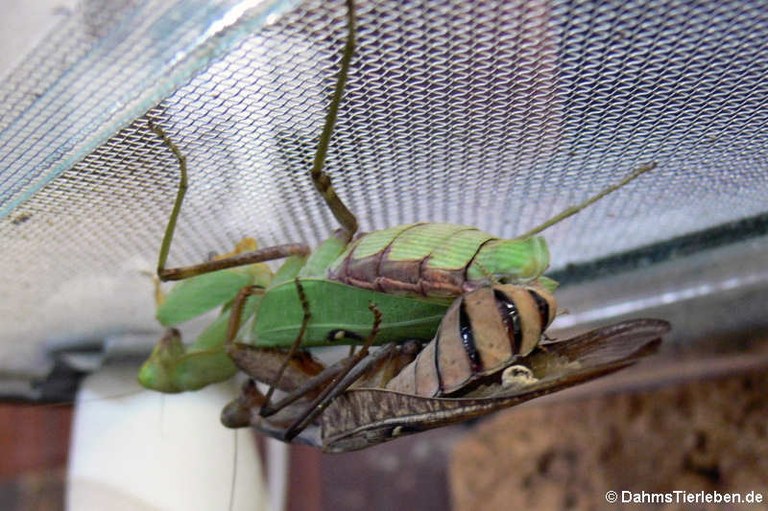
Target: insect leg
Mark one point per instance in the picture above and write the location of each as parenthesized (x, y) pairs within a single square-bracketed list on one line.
[(575, 209), (296, 343), (255, 256), (322, 180), (235, 317), (322, 379), (351, 372)]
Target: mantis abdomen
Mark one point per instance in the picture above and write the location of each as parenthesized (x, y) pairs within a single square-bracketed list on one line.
[(437, 260)]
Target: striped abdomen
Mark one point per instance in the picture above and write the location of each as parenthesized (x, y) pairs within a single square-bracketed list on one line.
[(437, 260), (483, 332)]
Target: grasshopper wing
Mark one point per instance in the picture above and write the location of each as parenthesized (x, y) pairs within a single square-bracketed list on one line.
[(361, 418)]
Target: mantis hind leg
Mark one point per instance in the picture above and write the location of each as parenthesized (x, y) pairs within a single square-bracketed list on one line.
[(322, 180), (231, 261)]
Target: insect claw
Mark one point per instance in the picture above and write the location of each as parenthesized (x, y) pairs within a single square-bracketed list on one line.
[(517, 376), (376, 312)]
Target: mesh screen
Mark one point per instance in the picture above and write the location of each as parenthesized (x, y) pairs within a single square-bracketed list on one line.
[(494, 114)]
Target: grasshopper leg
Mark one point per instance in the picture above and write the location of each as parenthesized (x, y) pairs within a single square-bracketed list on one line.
[(343, 373), (238, 413), (332, 380), (243, 355), (289, 357)]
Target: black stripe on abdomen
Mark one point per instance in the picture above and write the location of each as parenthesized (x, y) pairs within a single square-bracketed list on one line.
[(511, 318), (468, 340), (542, 305)]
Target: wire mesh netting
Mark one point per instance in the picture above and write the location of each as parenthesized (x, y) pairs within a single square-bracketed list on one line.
[(493, 114)]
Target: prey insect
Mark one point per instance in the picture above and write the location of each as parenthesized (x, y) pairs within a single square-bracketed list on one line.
[(369, 413), (485, 301)]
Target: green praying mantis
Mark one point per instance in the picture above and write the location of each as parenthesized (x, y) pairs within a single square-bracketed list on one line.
[(458, 314)]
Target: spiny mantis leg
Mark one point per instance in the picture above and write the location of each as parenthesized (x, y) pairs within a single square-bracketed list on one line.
[(296, 343), (255, 256), (575, 209), (322, 180), (330, 392), (267, 408), (340, 375), (234, 326), (322, 378), (344, 379)]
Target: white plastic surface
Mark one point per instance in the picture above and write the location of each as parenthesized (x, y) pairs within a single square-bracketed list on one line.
[(147, 451)]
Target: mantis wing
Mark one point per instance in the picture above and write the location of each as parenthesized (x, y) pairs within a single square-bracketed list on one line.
[(195, 296)]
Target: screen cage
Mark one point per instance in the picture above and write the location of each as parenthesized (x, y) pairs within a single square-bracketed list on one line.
[(492, 114), (495, 114)]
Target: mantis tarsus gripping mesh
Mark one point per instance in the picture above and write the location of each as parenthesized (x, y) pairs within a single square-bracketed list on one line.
[(494, 114)]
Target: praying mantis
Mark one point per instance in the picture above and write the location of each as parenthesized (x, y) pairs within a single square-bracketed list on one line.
[(458, 313)]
